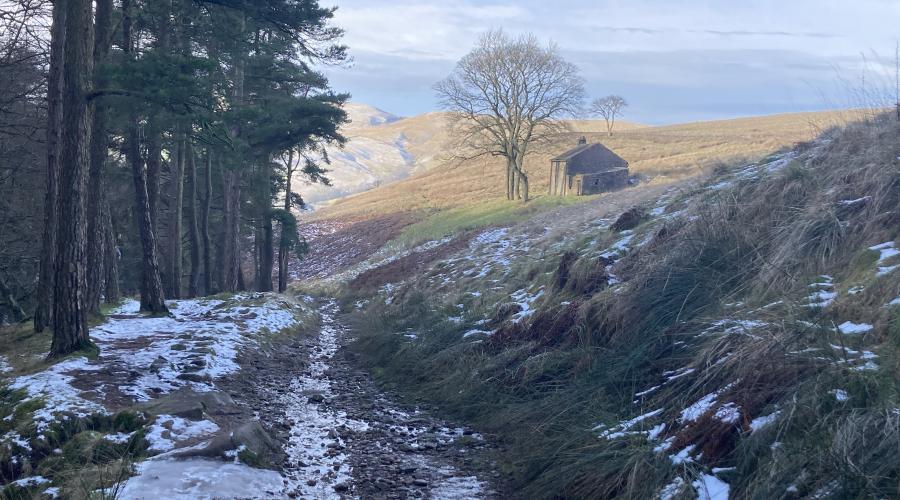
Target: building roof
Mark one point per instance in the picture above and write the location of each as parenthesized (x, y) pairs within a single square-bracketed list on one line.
[(575, 152), (594, 148)]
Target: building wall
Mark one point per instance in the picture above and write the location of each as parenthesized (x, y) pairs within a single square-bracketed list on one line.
[(558, 178), (600, 182)]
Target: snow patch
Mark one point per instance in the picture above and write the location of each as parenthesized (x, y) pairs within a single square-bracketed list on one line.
[(683, 456), (525, 301), (26, 482), (728, 413), (54, 387), (458, 488), (624, 427), (711, 488), (168, 430), (759, 423), (671, 490), (886, 250), (198, 479), (855, 201), (840, 395), (620, 247), (851, 328), (700, 407)]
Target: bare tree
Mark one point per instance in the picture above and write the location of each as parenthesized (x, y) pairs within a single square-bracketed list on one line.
[(507, 95), (609, 108)]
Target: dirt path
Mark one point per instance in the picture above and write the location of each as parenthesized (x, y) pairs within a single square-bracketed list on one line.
[(345, 438)]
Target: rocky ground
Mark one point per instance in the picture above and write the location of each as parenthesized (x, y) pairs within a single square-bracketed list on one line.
[(252, 396), (343, 437)]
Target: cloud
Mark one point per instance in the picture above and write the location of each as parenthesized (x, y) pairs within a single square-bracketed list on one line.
[(765, 33), (417, 31), (676, 60)]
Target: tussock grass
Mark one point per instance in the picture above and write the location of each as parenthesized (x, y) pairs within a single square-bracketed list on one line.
[(720, 292)]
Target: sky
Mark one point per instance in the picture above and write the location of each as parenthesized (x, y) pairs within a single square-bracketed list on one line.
[(673, 60)]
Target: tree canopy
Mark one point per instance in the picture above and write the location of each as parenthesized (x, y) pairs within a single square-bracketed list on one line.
[(507, 96)]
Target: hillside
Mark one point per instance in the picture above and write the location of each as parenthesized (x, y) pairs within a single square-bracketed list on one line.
[(731, 336), (658, 154), (383, 148)]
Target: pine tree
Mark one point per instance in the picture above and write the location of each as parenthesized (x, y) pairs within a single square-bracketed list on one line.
[(70, 331)]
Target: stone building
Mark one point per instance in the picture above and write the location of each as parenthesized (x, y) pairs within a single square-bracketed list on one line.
[(587, 169)]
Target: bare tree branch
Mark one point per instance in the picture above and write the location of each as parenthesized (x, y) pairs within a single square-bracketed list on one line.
[(507, 95)]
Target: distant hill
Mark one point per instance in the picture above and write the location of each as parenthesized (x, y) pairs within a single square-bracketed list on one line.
[(381, 148), (384, 148), (364, 116), (658, 153)]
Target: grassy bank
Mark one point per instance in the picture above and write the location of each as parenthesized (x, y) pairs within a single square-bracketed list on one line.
[(744, 333)]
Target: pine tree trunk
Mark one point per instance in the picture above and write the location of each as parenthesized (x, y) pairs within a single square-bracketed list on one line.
[(193, 229), (176, 214), (70, 330), (99, 148), (204, 227), (152, 298), (231, 278), (43, 311), (153, 172), (257, 251), (283, 255), (282, 249), (110, 246), (267, 243), (267, 261)]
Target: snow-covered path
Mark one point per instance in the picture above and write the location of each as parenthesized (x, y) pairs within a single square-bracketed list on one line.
[(342, 437), (345, 438)]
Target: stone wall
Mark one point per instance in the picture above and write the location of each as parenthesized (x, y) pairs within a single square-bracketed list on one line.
[(600, 182)]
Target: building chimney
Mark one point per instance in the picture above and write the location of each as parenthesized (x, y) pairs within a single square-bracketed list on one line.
[(582, 141)]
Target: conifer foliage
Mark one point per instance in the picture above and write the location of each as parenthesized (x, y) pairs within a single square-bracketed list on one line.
[(159, 136)]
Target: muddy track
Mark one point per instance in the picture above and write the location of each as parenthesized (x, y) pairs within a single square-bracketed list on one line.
[(343, 437)]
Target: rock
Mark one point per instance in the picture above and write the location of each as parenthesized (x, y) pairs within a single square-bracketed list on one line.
[(630, 219), (420, 483), (316, 398), (193, 377), (341, 487), (218, 403), (189, 404), (158, 364), (250, 435)]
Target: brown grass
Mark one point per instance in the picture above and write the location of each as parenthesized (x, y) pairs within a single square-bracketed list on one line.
[(659, 154)]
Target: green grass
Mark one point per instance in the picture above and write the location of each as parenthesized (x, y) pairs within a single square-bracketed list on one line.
[(489, 213)]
